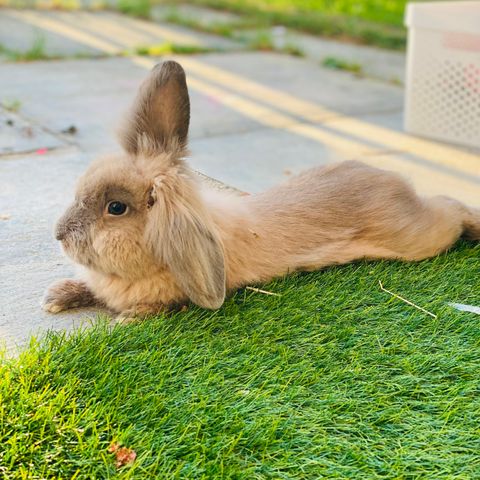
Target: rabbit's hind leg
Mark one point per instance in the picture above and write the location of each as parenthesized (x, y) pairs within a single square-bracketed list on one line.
[(443, 221)]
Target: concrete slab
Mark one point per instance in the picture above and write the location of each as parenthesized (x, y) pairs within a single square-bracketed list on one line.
[(269, 156), (376, 63), (435, 168), (152, 32), (429, 178), (202, 15), (31, 258), (256, 160), (62, 94), (17, 135), (93, 95), (339, 91), (113, 33), (19, 35)]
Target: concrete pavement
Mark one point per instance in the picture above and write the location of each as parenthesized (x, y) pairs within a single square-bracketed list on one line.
[(256, 119)]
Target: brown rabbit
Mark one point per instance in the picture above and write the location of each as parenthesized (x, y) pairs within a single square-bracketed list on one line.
[(149, 237)]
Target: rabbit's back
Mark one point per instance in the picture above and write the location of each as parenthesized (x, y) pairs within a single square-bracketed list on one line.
[(341, 200)]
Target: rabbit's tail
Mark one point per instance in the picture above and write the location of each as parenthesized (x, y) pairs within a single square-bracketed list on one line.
[(471, 224), (443, 221), (454, 213)]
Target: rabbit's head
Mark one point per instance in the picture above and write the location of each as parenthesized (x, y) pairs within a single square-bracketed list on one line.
[(140, 212)]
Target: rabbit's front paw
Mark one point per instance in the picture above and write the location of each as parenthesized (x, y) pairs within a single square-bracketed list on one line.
[(67, 294)]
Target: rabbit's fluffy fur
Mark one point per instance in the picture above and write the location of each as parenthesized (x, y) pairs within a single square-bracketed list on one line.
[(177, 242)]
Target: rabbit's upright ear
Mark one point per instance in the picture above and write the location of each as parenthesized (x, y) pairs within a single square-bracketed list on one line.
[(160, 115)]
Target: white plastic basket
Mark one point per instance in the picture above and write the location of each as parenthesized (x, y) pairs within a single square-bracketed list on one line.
[(443, 71)]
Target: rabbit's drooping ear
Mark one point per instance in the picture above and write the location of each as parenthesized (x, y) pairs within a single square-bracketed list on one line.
[(160, 115), (184, 239), (195, 257)]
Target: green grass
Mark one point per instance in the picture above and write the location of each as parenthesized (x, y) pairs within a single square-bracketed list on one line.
[(38, 52), (374, 22), (262, 41), (216, 28), (136, 8), (389, 12), (11, 105), (292, 49), (34, 53), (53, 4), (334, 379), (340, 64), (168, 48)]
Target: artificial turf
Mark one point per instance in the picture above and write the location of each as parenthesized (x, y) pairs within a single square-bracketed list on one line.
[(334, 379)]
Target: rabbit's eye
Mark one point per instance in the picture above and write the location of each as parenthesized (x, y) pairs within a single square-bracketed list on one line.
[(116, 208)]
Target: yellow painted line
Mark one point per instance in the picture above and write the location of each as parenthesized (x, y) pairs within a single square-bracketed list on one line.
[(248, 87), (163, 33), (53, 26), (437, 153), (421, 174), (271, 118), (107, 26), (248, 108), (427, 182)]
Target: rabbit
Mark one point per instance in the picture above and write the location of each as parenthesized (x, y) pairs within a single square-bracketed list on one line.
[(149, 237)]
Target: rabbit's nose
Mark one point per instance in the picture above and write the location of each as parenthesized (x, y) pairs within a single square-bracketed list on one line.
[(60, 233), (64, 224)]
